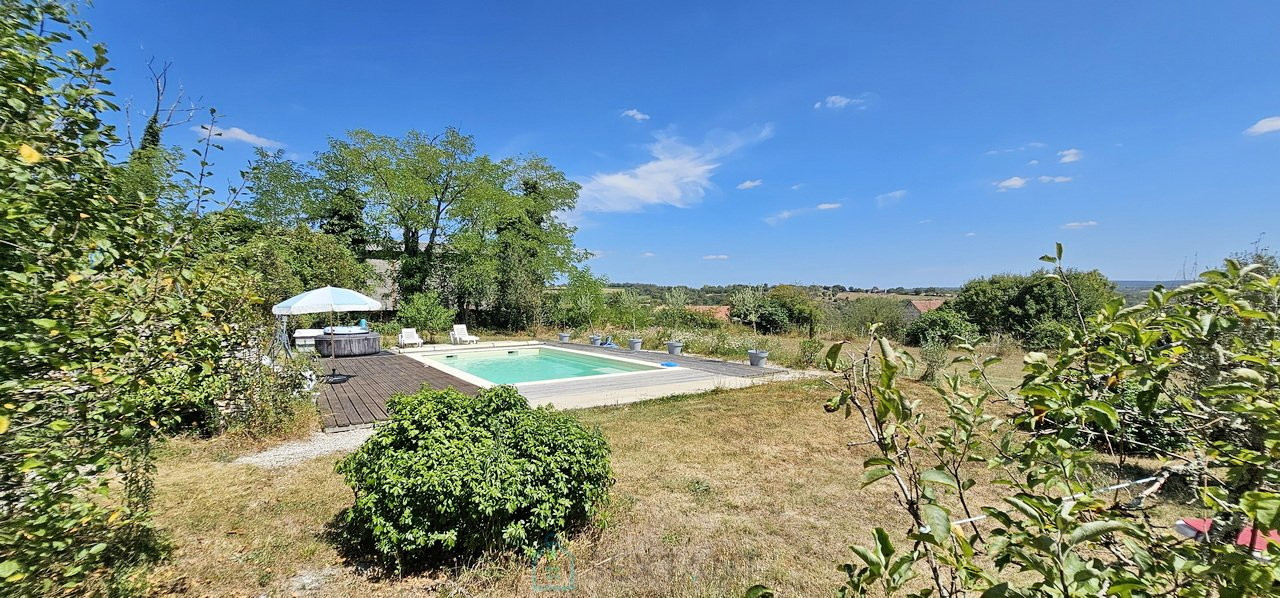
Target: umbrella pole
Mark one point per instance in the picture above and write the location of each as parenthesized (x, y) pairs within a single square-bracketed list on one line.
[(333, 352)]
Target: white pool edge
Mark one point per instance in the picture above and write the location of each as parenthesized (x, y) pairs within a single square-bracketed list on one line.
[(424, 357)]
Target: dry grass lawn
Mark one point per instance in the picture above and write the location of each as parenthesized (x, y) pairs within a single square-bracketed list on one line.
[(715, 492)]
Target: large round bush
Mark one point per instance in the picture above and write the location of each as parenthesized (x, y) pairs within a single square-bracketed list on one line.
[(452, 475), (939, 325)]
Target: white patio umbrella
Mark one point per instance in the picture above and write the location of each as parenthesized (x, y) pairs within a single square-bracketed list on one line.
[(326, 300)]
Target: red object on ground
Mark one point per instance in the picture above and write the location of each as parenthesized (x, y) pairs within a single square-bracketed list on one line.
[(1247, 538)]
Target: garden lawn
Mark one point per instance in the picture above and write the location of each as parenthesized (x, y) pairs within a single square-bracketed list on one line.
[(715, 492)]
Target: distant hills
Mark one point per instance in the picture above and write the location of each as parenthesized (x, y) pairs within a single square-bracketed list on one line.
[(1147, 285)]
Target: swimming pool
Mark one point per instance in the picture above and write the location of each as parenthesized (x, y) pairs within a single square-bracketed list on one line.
[(514, 366)]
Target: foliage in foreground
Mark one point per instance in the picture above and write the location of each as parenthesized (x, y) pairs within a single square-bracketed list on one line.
[(451, 475), (1209, 350), (101, 301)]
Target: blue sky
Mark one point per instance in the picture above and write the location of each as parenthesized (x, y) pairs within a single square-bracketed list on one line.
[(856, 143)]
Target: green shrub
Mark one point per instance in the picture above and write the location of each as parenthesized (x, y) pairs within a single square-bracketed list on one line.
[(772, 317), (1154, 433), (853, 319), (1018, 304), (243, 392), (724, 343), (452, 475), (1002, 344), (809, 350), (934, 355), (1045, 334), (391, 328), (940, 324), (801, 310), (424, 312), (683, 317)]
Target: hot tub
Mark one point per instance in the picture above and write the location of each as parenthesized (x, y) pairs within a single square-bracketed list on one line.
[(349, 344)]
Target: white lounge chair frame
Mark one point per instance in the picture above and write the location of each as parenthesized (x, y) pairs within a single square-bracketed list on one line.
[(407, 337), (460, 336)]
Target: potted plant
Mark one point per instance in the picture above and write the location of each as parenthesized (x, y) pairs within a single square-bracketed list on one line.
[(674, 346), (564, 337), (635, 342), (595, 339), (758, 358)]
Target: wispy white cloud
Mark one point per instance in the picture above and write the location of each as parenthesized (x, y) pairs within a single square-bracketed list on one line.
[(779, 217), (235, 134), (1269, 124), (797, 186), (750, 184), (719, 256), (971, 234), (1013, 182), (1067, 156), (890, 198), (926, 221), (1032, 162), (595, 253), (648, 254), (635, 114), (678, 175), (838, 102), (785, 215), (1021, 148), (1053, 179), (1078, 225)]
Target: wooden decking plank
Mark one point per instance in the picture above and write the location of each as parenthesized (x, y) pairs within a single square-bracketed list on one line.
[(362, 398)]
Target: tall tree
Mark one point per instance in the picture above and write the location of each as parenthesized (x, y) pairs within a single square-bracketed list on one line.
[(532, 244), (416, 185), (280, 189)]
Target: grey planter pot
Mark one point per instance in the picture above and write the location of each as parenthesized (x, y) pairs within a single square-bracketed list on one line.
[(564, 337), (635, 343), (758, 358), (674, 347), (595, 340)]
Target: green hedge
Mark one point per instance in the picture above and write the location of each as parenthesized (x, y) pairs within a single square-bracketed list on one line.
[(941, 325), (451, 475)]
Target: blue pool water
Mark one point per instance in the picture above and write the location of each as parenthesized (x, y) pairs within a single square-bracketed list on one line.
[(512, 366)]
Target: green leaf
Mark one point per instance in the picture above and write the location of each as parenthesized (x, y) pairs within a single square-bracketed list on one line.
[(937, 476), (833, 356), (8, 568), (1105, 415), (1249, 375), (937, 519), (1095, 529), (1262, 507), (758, 591), (871, 475)]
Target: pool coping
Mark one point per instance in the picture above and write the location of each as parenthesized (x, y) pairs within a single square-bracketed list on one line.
[(424, 357)]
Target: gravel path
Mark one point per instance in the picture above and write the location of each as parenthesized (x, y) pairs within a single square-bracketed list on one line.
[(319, 444)]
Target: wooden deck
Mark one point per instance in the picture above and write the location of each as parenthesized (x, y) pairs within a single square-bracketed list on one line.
[(362, 399)]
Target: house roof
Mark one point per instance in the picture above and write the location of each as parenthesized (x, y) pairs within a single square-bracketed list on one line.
[(719, 312), (924, 305)]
